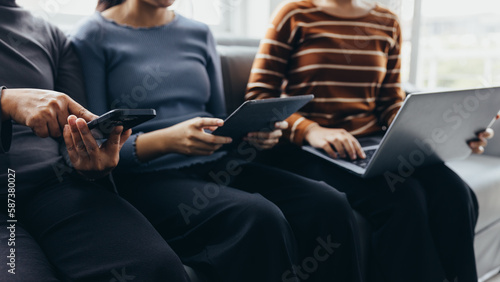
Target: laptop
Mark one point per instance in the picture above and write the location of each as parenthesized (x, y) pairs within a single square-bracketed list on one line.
[(429, 128)]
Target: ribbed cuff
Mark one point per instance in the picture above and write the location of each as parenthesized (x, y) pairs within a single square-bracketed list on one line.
[(128, 153)]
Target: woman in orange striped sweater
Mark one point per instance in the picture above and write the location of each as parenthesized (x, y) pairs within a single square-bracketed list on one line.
[(347, 53)]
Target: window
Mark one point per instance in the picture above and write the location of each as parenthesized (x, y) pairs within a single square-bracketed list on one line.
[(63, 13), (459, 44), (447, 43)]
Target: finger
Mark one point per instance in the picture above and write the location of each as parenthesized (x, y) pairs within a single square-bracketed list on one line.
[(478, 150), (329, 150), (208, 122), (200, 145), (261, 143), (200, 148), (281, 125), (359, 150), (77, 138), (90, 144), (124, 137), (211, 128), (263, 135), (54, 125), (488, 134), (70, 146), (478, 143), (79, 111), (349, 148), (212, 139), (62, 118), (113, 142), (339, 147), (41, 131)]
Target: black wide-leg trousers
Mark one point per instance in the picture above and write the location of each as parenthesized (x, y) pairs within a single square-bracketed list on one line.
[(423, 227), (83, 232), (249, 222)]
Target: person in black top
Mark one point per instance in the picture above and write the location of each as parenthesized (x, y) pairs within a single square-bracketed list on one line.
[(68, 228)]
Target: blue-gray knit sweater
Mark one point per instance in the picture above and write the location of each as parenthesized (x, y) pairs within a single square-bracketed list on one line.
[(172, 68)]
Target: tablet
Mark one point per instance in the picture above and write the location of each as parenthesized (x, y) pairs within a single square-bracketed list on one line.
[(260, 115)]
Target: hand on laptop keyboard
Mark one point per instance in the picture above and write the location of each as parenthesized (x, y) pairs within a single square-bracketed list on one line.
[(363, 162)]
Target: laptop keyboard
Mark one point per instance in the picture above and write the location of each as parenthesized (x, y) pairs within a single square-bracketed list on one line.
[(363, 162)]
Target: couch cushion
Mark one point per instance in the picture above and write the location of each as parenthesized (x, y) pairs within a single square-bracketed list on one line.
[(236, 64), (482, 173)]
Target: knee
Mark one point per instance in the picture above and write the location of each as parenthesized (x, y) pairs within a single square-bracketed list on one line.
[(259, 215), (411, 202), (331, 207), (160, 264), (461, 200)]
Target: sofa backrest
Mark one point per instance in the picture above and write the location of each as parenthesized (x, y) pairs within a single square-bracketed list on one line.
[(236, 64), (237, 55)]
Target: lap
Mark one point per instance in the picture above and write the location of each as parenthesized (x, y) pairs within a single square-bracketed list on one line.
[(89, 232), (374, 197), (28, 262)]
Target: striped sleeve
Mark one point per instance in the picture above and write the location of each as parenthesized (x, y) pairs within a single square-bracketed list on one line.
[(270, 66), (391, 95)]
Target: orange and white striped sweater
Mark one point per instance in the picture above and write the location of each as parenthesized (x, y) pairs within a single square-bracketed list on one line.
[(351, 65)]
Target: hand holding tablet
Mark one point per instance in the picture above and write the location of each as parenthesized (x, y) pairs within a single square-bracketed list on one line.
[(260, 115)]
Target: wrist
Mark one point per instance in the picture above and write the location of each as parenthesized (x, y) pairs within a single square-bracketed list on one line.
[(309, 130)]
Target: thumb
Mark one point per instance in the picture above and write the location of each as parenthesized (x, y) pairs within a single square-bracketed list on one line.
[(79, 111)]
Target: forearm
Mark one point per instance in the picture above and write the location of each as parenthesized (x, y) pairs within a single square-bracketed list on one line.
[(5, 125), (152, 145), (4, 104)]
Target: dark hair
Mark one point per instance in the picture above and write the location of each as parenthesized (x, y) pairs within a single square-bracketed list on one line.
[(103, 5)]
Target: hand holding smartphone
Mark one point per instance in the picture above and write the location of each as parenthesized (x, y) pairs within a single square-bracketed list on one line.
[(102, 126)]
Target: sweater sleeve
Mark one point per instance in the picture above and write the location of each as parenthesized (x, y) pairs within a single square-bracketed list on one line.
[(88, 40), (271, 65), (69, 78), (216, 105), (391, 95)]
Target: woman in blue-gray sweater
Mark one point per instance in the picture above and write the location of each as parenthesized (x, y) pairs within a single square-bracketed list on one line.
[(231, 218)]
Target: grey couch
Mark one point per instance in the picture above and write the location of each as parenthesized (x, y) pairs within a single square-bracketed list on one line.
[(482, 173)]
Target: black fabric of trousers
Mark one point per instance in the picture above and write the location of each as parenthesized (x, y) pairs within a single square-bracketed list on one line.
[(81, 231), (423, 231), (249, 222)]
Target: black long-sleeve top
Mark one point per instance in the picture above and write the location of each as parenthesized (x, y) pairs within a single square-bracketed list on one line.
[(33, 54)]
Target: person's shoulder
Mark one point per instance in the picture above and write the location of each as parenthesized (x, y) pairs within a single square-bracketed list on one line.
[(384, 12), (191, 24), (294, 5), (288, 9), (90, 27), (192, 28)]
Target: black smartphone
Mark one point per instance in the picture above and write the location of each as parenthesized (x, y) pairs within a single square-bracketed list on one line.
[(102, 126)]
